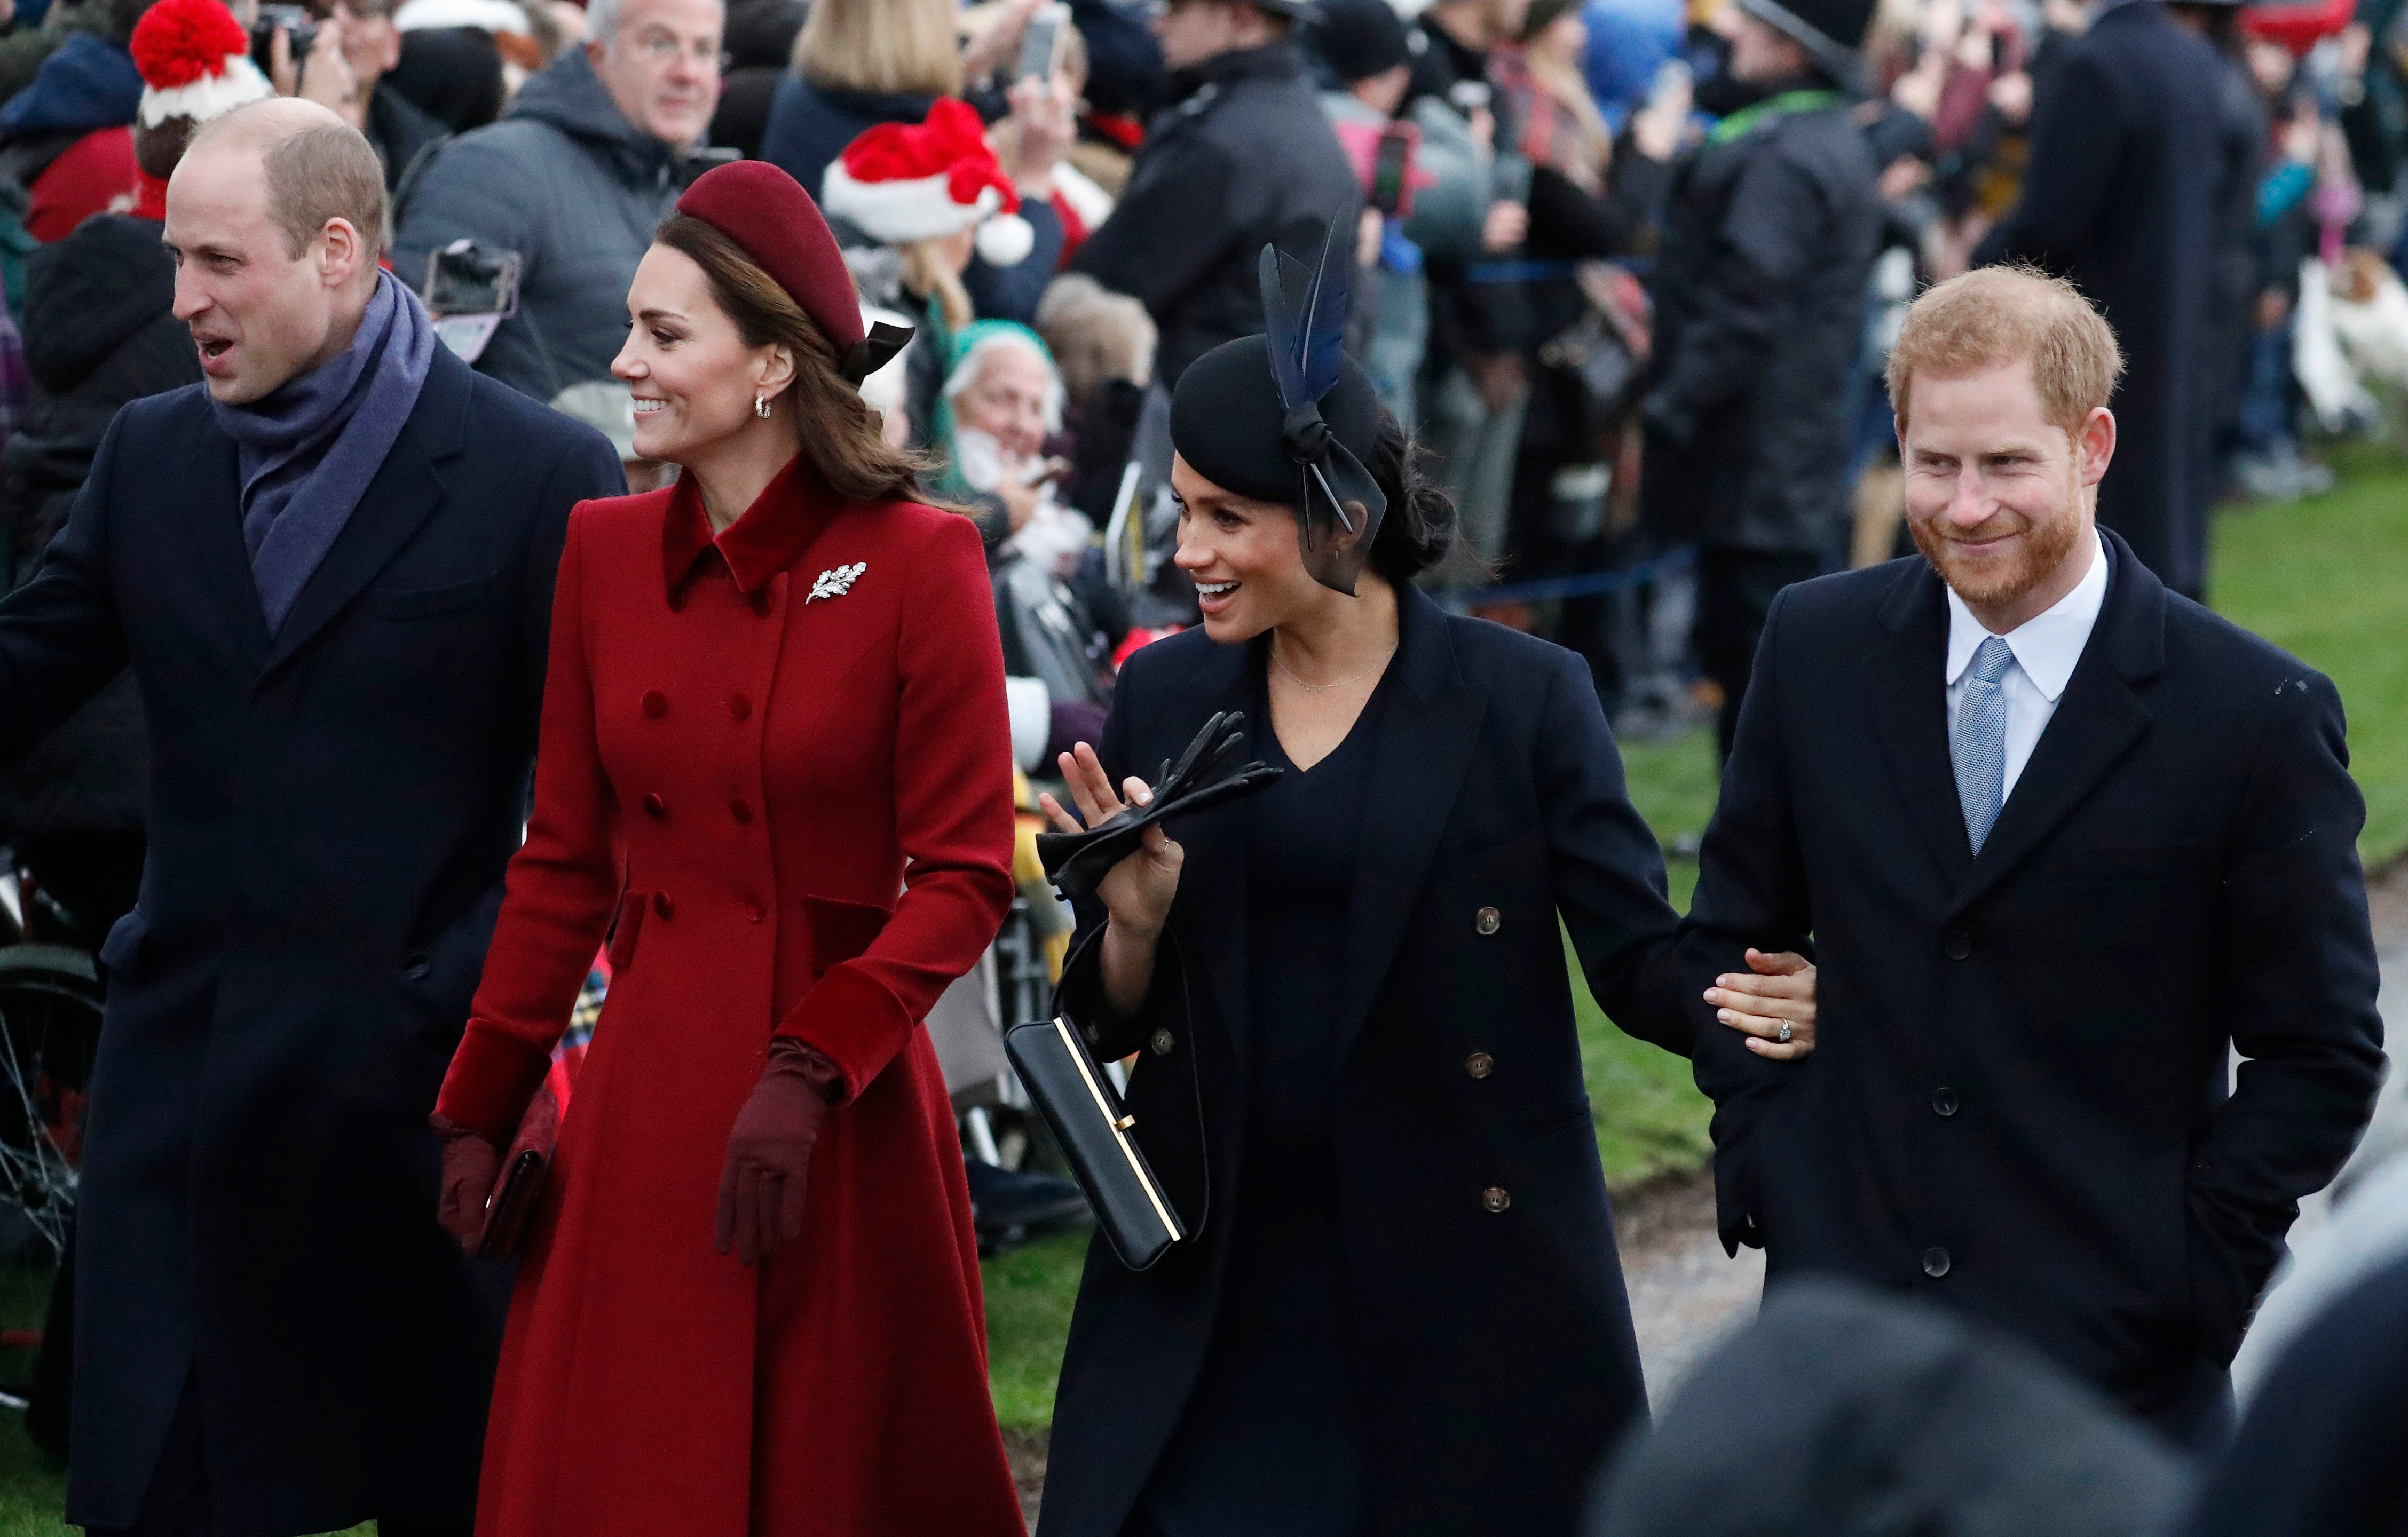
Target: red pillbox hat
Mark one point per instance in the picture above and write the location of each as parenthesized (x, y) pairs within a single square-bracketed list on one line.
[(766, 212)]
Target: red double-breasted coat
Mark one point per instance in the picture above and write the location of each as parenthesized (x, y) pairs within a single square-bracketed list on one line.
[(781, 758)]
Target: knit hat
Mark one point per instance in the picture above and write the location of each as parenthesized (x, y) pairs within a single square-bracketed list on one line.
[(195, 63), (900, 182), (1831, 32), (1360, 38), (768, 213)]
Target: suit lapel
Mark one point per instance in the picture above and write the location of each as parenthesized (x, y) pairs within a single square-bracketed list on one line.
[(1428, 728), (2097, 722), (405, 490), (212, 519), (1910, 684), (1212, 880)]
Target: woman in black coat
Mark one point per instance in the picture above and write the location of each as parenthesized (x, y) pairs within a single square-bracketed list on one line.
[(1401, 1310)]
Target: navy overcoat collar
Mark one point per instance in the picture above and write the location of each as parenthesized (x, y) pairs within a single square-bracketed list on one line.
[(405, 490), (2098, 718)]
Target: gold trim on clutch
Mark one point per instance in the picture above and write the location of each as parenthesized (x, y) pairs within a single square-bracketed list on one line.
[(1120, 1131)]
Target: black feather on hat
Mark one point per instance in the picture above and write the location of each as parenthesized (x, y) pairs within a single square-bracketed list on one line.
[(1289, 417)]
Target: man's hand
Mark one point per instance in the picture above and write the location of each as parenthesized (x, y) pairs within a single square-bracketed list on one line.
[(1778, 995)]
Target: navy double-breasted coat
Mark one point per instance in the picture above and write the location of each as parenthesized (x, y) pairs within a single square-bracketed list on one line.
[(1491, 1354), (331, 809)]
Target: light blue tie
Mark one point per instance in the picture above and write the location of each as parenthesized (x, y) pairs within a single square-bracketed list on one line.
[(1979, 744)]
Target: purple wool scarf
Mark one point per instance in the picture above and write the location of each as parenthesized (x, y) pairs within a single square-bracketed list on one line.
[(307, 449)]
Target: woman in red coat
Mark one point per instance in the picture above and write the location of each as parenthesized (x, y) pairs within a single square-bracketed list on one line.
[(775, 752)]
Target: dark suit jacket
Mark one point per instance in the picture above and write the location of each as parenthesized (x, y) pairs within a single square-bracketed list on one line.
[(330, 813), (2122, 196), (2017, 1105), (1492, 1350)]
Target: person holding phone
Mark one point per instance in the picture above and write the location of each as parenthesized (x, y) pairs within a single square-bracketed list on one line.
[(1357, 1075)]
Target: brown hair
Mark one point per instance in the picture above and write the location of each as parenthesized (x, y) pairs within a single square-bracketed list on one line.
[(1994, 315), (886, 46), (840, 429)]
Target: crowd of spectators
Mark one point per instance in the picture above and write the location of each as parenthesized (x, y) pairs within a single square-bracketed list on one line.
[(1625, 267)]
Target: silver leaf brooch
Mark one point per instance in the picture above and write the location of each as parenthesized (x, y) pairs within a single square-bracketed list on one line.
[(835, 583)]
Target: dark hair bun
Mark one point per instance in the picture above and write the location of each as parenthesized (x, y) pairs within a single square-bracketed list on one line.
[(1421, 525)]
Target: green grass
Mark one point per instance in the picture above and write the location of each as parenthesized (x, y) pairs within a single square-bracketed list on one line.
[(2327, 579)]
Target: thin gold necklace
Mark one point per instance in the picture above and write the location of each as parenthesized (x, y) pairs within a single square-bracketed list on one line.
[(1324, 688)]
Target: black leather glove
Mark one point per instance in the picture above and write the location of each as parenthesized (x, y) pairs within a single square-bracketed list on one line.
[(1206, 775)]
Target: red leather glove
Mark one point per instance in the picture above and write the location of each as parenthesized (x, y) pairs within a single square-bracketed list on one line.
[(770, 1151), (470, 1166)]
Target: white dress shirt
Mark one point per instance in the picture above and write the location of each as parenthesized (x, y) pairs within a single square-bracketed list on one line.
[(2046, 648)]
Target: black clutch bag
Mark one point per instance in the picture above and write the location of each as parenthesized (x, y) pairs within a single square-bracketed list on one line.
[(1084, 1111)]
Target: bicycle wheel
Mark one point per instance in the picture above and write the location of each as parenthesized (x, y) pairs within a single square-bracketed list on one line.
[(49, 1027)]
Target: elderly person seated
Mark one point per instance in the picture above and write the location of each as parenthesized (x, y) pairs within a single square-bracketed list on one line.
[(1005, 398)]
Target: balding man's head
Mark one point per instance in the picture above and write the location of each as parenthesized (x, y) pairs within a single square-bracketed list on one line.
[(316, 166), (275, 217)]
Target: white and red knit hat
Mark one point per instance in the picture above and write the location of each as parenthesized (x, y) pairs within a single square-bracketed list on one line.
[(195, 63), (902, 181)]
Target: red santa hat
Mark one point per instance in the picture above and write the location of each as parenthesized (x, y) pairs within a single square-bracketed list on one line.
[(901, 182), (195, 63)]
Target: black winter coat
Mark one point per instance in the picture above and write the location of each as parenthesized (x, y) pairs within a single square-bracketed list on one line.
[(2017, 1105), (98, 332), (1761, 274), (2121, 197), (1492, 1352), (1244, 160), (331, 810)]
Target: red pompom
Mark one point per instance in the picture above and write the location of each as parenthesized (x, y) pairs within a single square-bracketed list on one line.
[(179, 41)]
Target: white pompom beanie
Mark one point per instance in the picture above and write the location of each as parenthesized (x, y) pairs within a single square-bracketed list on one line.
[(900, 182)]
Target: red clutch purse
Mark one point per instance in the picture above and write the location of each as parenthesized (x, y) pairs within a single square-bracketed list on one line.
[(518, 1188)]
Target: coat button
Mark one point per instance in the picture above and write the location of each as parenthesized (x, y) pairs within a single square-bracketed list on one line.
[(741, 809), (1487, 922), (739, 706), (1480, 1064), (1956, 944), (1163, 1042), (1935, 1262), (1494, 1198), (654, 807), (656, 703), (661, 905), (1943, 1102), (753, 912)]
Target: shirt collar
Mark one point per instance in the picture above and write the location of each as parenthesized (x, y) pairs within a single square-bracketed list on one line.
[(2046, 646), (775, 528)]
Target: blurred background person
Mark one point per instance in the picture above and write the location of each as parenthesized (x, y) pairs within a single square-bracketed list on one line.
[(760, 36), (2121, 197), (584, 163), (1761, 277), (1244, 156), (858, 63), (398, 128)]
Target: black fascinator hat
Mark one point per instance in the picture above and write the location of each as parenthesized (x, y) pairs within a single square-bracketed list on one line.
[(1289, 417)]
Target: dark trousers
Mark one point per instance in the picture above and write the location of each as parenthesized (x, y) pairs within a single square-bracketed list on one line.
[(176, 1504), (1735, 590)]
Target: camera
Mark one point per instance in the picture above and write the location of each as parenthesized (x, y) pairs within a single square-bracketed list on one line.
[(298, 26)]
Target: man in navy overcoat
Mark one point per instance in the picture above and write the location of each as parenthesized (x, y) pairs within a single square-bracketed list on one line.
[(2065, 842), (330, 569)]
